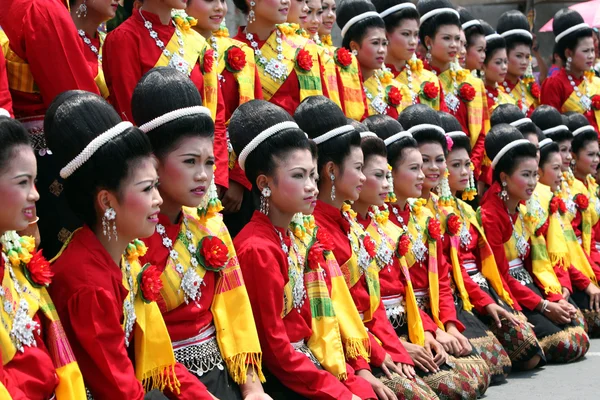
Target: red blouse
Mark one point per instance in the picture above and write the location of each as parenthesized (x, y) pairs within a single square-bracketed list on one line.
[(265, 269), (43, 33), (89, 300), (443, 106), (5, 99)]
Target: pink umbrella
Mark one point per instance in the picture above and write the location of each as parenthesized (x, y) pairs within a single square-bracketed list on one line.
[(590, 11)]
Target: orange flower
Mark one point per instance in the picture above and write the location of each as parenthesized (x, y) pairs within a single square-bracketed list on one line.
[(403, 245), (214, 254), (38, 270), (235, 59), (150, 283), (454, 224)]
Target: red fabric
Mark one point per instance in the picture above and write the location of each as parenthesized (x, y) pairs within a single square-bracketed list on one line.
[(129, 52), (498, 230), (5, 99), (265, 270), (91, 57), (90, 304), (557, 89), (43, 33), (490, 101), (443, 106), (564, 277), (578, 280), (331, 220), (10, 385)]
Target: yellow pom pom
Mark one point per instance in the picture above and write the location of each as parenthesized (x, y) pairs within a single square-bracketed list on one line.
[(28, 242), (24, 255), (14, 259)]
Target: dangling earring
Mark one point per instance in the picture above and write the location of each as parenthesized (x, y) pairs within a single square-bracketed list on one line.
[(471, 190), (482, 73), (264, 200), (108, 219), (81, 10), (444, 191), (354, 52), (332, 177), (428, 54), (251, 15), (504, 193), (568, 66)]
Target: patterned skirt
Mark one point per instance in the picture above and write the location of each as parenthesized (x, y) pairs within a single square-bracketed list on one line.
[(592, 318)]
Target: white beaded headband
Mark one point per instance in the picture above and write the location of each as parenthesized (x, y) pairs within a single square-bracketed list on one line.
[(572, 29), (437, 11), (555, 129), (456, 134), (470, 23), (4, 113), (395, 137), (357, 18), (521, 32), (173, 115), (520, 122), (545, 142), (368, 134), (506, 149), (422, 127), (583, 129), (92, 147), (261, 137), (492, 36), (333, 133), (396, 8)]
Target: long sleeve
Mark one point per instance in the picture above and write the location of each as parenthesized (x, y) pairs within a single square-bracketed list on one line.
[(428, 324), (553, 92), (5, 99), (447, 308), (478, 297), (190, 386), (381, 328), (564, 277), (220, 144), (478, 153), (578, 280)]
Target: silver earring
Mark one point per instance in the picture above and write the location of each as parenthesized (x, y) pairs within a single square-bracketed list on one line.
[(264, 200), (354, 52), (428, 54), (81, 10), (251, 15), (504, 193), (332, 177), (568, 66), (108, 219)]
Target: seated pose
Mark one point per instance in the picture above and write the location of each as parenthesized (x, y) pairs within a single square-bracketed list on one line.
[(100, 289)]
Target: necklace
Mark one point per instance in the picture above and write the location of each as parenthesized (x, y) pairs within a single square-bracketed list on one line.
[(88, 41), (512, 95), (521, 241), (492, 96), (275, 68), (295, 274), (451, 98), (128, 308), (584, 98), (418, 247), (176, 60), (409, 78), (358, 246), (464, 235), (215, 47), (377, 102), (384, 254)]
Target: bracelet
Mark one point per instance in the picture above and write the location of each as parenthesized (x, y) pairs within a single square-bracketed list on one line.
[(545, 306), (35, 221)]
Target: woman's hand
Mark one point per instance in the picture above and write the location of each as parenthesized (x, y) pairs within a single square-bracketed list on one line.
[(465, 345), (258, 396), (421, 356), (436, 349), (408, 371), (388, 366), (557, 314), (497, 312), (252, 389), (594, 293), (448, 342), (568, 307), (565, 293), (382, 391)]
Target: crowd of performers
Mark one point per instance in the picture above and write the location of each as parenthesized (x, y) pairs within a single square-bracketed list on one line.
[(403, 215)]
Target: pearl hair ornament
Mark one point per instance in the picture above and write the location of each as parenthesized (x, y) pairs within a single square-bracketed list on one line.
[(261, 137), (173, 115), (507, 148)]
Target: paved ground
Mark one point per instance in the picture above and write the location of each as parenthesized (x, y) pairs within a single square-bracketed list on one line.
[(577, 381)]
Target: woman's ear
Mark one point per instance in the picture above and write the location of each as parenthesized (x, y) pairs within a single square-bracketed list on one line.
[(105, 200), (428, 42), (354, 46), (262, 181), (503, 177), (330, 169)]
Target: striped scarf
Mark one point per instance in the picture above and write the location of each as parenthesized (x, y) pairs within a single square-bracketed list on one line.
[(351, 87), (573, 102)]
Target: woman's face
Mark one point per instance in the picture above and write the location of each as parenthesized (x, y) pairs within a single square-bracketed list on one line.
[(564, 148), (100, 10), (292, 185), (176, 4), (434, 165), (584, 55), (521, 183), (349, 178), (376, 186), (373, 49), (446, 44), (551, 172), (298, 12), (534, 140), (459, 167), (272, 11), (518, 60), (586, 159), (138, 203), (476, 53), (315, 181), (314, 17), (404, 40), (17, 189), (462, 51), (497, 67), (328, 17), (209, 13), (408, 174)]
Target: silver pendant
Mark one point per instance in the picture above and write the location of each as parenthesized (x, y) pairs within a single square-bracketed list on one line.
[(465, 236), (379, 105), (452, 102), (276, 70), (179, 64), (522, 247), (419, 249), (586, 102)]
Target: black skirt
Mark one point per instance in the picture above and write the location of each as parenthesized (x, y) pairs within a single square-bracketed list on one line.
[(592, 318)]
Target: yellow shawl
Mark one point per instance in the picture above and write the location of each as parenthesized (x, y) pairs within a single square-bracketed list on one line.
[(421, 76), (379, 84), (573, 102), (245, 77), (351, 86)]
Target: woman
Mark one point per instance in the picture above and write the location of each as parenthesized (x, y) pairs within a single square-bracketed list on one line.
[(515, 176), (402, 27), (340, 163), (363, 33), (550, 121), (88, 17), (575, 87), (291, 323), (314, 18), (31, 331), (464, 94), (495, 67), (519, 83), (151, 38), (167, 107), (111, 185), (475, 41)]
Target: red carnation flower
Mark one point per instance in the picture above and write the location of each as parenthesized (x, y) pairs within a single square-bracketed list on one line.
[(316, 255), (534, 89), (542, 230), (369, 245), (394, 96), (596, 102), (150, 283), (235, 59), (403, 245), (324, 240), (304, 60), (433, 229), (581, 201), (454, 224), (466, 92), (214, 254), (430, 90), (208, 60), (38, 270), (562, 207), (557, 204), (343, 57)]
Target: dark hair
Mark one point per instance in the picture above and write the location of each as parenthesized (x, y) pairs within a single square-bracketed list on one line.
[(564, 19), (498, 137), (510, 20), (73, 120), (492, 45), (317, 115), (451, 124), (576, 121), (509, 113), (359, 126), (546, 152), (242, 6), (547, 117), (419, 114), (162, 90), (385, 127), (472, 31), (12, 134), (394, 20), (347, 10), (247, 122), (431, 26)]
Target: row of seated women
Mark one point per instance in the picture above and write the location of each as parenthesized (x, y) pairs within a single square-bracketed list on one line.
[(363, 274)]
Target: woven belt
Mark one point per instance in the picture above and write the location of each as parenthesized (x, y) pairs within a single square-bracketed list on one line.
[(394, 309), (301, 347), (475, 275), (201, 353), (518, 271)]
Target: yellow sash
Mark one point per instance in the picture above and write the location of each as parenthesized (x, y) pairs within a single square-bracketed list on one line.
[(421, 76), (572, 188), (4, 395), (17, 69), (329, 74), (574, 104), (245, 77), (373, 87), (99, 79), (351, 88), (529, 99)]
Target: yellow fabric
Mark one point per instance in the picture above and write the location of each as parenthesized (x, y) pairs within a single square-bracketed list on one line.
[(573, 102), (328, 67), (387, 81), (351, 87), (245, 78), (4, 395), (572, 188), (99, 79), (70, 383), (419, 77), (503, 98), (17, 70), (529, 99), (231, 310)]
